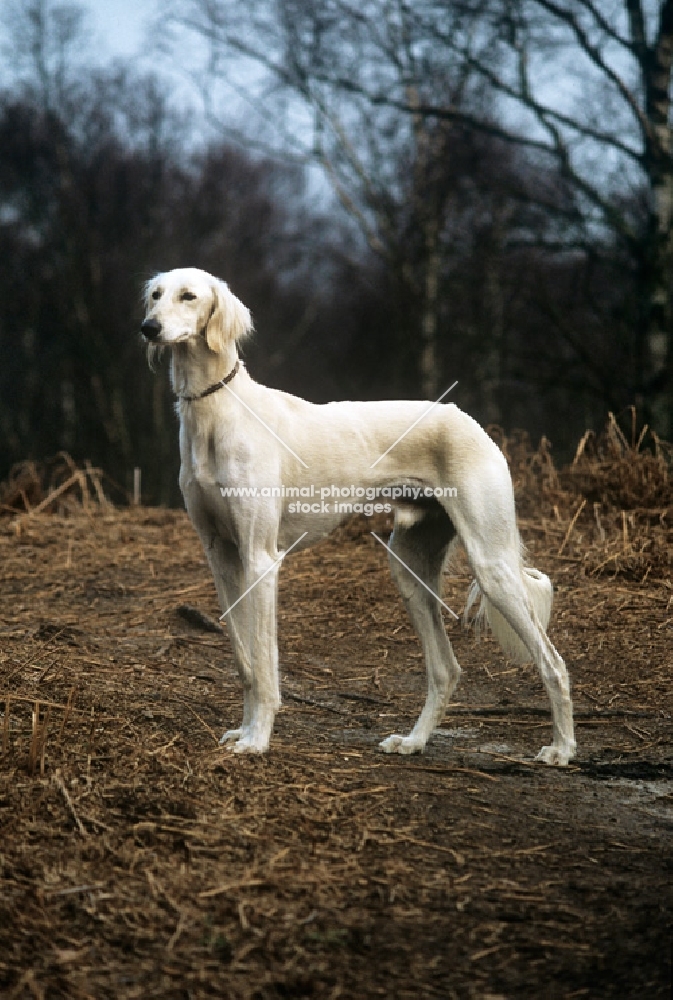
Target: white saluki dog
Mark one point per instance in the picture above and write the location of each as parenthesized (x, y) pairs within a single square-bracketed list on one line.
[(237, 436)]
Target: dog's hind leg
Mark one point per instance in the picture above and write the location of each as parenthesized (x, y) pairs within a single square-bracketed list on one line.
[(484, 516), (501, 580), (421, 544)]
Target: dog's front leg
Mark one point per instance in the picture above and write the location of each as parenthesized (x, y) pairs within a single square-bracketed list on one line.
[(261, 682), (248, 601), (227, 571), (246, 586)]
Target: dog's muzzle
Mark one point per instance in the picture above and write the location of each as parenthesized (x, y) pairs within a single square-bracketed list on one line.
[(151, 329)]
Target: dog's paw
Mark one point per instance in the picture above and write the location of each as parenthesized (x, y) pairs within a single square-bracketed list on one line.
[(555, 755), (251, 744), (401, 744), (230, 736)]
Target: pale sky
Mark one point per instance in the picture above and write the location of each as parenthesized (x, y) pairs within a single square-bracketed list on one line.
[(127, 30), (119, 25), (123, 28), (115, 28)]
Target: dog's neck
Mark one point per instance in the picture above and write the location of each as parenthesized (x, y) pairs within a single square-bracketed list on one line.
[(195, 368)]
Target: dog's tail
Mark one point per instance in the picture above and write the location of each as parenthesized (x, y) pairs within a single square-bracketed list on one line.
[(541, 595)]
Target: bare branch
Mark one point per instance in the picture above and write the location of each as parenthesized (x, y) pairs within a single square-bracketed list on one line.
[(594, 53), (634, 10), (604, 24)]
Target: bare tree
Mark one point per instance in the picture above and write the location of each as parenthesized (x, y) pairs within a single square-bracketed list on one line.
[(99, 189), (45, 47), (386, 169), (587, 86), (579, 87)]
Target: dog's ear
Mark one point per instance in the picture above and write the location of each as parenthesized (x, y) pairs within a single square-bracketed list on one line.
[(229, 321), (146, 294), (154, 351), (147, 290)]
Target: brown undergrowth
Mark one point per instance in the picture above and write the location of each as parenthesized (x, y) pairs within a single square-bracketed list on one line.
[(610, 510), (57, 485)]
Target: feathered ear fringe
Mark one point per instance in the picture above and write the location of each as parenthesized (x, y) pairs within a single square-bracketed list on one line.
[(147, 290), (230, 320), (154, 351)]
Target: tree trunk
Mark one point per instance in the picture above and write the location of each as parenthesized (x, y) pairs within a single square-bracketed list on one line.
[(428, 359), (657, 354), (654, 381)]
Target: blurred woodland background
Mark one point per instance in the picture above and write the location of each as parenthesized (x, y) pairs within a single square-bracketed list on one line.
[(419, 192)]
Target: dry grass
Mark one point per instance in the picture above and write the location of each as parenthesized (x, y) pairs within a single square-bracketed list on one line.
[(610, 511), (57, 486)]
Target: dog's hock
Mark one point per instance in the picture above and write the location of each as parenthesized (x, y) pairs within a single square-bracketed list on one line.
[(541, 595)]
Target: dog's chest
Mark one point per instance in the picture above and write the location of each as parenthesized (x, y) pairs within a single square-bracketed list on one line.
[(213, 474), (201, 462)]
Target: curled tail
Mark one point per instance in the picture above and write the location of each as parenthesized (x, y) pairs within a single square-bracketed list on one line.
[(541, 595)]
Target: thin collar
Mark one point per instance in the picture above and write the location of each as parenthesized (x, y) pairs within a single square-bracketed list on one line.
[(213, 388)]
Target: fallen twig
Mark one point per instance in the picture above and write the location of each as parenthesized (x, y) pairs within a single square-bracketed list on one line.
[(58, 781)]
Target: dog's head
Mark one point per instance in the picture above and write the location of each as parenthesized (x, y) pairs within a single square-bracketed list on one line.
[(188, 303)]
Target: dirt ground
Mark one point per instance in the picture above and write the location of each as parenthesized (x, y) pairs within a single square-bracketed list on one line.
[(139, 859)]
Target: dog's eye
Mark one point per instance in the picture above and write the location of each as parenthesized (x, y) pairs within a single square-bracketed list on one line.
[(187, 296), (156, 294)]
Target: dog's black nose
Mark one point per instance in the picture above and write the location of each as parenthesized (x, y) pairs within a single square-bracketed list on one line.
[(151, 329)]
